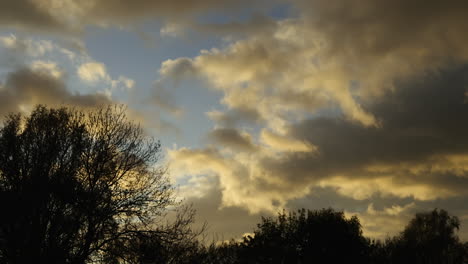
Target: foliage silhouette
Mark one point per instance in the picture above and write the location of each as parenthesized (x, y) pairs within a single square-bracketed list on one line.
[(430, 237), (74, 183), (326, 236), (323, 236)]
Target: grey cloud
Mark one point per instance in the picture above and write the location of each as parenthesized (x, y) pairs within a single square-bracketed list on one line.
[(184, 12), (258, 23), (74, 15), (138, 8), (413, 47), (25, 87), (418, 28), (234, 117), (164, 99), (423, 121), (231, 138), (27, 14), (223, 223)]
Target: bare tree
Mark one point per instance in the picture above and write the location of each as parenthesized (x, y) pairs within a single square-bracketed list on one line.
[(72, 183), (174, 242)]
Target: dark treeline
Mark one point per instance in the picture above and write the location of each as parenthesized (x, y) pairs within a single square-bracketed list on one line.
[(82, 187), (326, 236)]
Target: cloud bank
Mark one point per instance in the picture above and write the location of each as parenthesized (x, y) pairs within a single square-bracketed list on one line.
[(362, 99)]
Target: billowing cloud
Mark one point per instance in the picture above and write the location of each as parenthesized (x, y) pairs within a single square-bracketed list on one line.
[(366, 100), (419, 153), (243, 180), (276, 73)]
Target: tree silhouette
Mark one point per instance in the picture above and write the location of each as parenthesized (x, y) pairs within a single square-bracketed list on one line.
[(326, 236), (322, 236), (172, 243), (73, 183), (430, 237)]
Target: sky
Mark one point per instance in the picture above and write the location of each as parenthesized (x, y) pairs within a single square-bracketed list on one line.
[(265, 105)]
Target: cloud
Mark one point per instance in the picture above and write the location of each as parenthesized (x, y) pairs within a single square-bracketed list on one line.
[(244, 182), (284, 143), (72, 16), (26, 87), (223, 223), (19, 50), (365, 99), (29, 14), (112, 9), (346, 96), (93, 72), (232, 138), (30, 77), (386, 222), (418, 153), (96, 72), (177, 68), (27, 46), (235, 117), (123, 80), (276, 73), (164, 99), (381, 29), (258, 22), (47, 67), (332, 54)]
